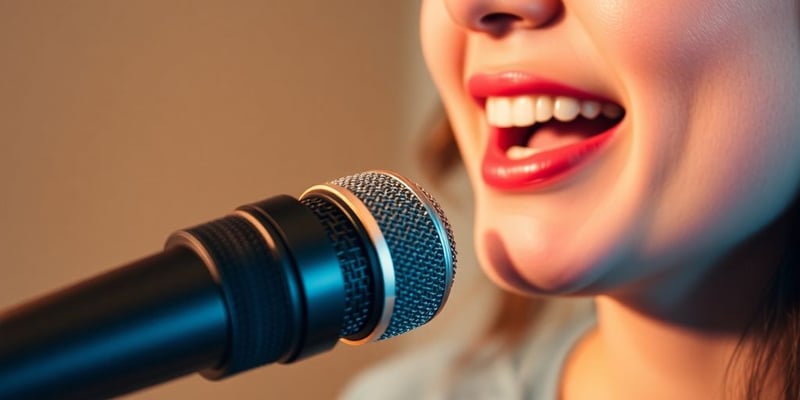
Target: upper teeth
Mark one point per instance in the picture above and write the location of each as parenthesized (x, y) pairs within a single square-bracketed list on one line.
[(505, 112)]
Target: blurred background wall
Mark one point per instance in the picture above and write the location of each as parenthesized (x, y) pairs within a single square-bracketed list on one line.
[(122, 121)]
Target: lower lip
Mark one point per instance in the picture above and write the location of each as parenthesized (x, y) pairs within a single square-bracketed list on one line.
[(540, 170)]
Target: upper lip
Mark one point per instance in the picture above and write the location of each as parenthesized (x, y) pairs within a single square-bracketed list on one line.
[(515, 83)]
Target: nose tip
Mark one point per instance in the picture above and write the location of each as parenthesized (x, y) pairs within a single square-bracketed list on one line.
[(497, 17)]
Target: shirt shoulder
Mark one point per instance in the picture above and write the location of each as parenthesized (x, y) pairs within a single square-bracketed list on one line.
[(532, 370)]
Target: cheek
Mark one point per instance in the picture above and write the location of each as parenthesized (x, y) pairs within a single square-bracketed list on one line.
[(738, 167), (681, 43), (444, 47), (713, 87)]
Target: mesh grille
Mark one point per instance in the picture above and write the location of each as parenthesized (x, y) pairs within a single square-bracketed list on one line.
[(448, 229), (422, 275), (353, 260)]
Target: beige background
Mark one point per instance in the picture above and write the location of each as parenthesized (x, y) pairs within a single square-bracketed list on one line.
[(121, 121)]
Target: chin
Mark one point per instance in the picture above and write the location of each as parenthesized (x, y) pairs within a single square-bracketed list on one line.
[(560, 244), (529, 269)]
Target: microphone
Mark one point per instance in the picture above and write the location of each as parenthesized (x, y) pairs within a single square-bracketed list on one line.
[(359, 259)]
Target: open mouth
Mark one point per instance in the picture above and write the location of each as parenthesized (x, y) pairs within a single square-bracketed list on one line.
[(540, 131), (537, 140), (530, 124)]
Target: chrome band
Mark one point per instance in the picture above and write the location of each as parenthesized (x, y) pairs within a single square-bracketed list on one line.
[(353, 205), (441, 229), (185, 239)]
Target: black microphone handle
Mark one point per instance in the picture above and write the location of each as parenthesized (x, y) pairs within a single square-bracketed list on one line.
[(147, 322), (261, 285)]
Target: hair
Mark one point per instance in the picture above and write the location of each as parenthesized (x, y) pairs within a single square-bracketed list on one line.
[(768, 351), (773, 334)]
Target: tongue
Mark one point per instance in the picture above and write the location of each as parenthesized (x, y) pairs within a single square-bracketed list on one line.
[(554, 133)]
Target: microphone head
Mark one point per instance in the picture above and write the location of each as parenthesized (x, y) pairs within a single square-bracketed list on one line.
[(395, 247)]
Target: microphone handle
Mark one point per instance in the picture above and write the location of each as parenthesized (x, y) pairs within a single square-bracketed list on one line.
[(147, 322), (261, 285)]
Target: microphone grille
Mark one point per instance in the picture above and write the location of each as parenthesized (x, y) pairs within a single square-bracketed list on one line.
[(419, 239)]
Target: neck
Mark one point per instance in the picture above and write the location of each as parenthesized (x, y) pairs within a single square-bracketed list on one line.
[(676, 341)]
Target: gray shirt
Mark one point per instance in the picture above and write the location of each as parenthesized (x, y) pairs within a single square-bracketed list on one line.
[(532, 370)]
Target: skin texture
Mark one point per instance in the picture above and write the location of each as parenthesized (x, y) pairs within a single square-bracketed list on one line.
[(676, 224)]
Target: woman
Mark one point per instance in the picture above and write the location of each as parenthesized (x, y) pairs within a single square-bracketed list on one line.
[(643, 154)]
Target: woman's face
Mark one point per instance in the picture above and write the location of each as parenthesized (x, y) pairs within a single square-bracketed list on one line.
[(668, 131)]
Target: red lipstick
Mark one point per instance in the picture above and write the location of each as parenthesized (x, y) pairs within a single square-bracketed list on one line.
[(515, 83), (540, 169)]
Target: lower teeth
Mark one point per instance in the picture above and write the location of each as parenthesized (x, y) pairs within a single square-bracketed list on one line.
[(520, 152)]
